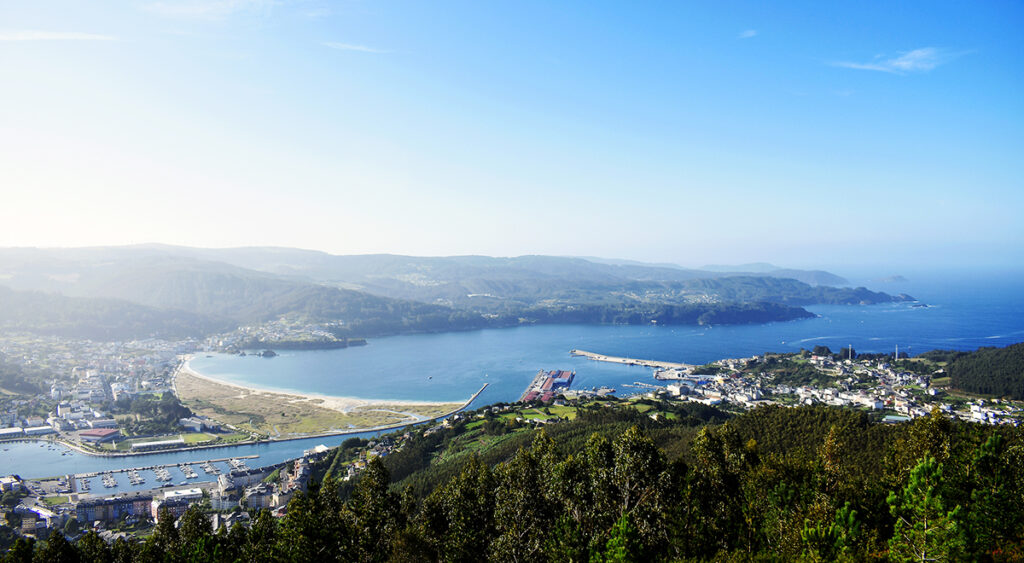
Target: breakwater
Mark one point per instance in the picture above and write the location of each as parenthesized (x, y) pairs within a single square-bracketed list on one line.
[(630, 361)]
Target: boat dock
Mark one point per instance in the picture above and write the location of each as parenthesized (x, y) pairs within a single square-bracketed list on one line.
[(161, 467)]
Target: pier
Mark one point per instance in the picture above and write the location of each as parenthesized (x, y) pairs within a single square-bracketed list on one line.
[(630, 361)]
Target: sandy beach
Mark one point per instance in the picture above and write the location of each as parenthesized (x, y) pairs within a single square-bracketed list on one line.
[(277, 413), (341, 404)]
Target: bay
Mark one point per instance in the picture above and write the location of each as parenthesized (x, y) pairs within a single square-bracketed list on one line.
[(952, 313), (964, 312)]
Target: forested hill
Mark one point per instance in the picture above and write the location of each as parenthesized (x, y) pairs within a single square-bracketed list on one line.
[(990, 371), (183, 290), (619, 483), (98, 319)]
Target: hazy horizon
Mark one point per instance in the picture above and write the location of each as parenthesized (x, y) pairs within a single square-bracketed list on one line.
[(805, 135), (869, 271)]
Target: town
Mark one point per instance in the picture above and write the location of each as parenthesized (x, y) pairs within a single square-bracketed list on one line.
[(96, 401)]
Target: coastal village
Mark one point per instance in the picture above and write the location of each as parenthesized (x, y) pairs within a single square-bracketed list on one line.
[(870, 384), (78, 410)]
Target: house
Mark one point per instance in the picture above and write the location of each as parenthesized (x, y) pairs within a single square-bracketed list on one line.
[(198, 424), (10, 483), (113, 508), (223, 500), (175, 502), (246, 477), (174, 506), (283, 497), (229, 520), (259, 496), (102, 423)]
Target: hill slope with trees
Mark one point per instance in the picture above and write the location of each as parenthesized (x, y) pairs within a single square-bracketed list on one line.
[(990, 371), (808, 484)]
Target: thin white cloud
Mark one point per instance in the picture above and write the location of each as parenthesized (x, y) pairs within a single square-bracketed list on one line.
[(53, 36), (747, 34), (209, 9), (918, 60), (351, 47)]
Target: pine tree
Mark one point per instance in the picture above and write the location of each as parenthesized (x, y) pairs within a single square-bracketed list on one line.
[(925, 529), (260, 542), (522, 514), (458, 518), (373, 514), (20, 551), (93, 549), (623, 544), (833, 541), (56, 549)]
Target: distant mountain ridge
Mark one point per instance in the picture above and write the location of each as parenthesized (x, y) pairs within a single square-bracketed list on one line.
[(382, 294)]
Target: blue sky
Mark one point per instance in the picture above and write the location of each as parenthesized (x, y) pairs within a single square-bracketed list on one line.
[(806, 134)]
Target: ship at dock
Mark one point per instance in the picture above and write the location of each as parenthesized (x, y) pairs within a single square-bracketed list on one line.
[(546, 385)]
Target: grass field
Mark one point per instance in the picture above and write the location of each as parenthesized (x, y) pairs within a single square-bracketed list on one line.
[(193, 438)]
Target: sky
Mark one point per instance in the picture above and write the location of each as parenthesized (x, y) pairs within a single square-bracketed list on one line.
[(799, 133)]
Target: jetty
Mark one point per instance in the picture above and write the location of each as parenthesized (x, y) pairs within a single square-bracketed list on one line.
[(630, 361)]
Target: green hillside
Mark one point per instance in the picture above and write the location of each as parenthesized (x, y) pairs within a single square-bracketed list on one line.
[(997, 372), (633, 481), (96, 318)]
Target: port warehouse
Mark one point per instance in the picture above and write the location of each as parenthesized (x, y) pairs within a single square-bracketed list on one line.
[(100, 435), (17, 432), (546, 385)]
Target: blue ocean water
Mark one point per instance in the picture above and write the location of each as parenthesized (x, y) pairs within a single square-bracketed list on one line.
[(960, 313)]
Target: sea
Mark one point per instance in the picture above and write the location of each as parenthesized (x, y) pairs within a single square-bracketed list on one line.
[(953, 311)]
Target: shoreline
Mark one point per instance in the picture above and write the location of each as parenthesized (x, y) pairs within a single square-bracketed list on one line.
[(334, 402)]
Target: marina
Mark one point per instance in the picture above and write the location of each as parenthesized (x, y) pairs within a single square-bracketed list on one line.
[(209, 468), (82, 482)]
